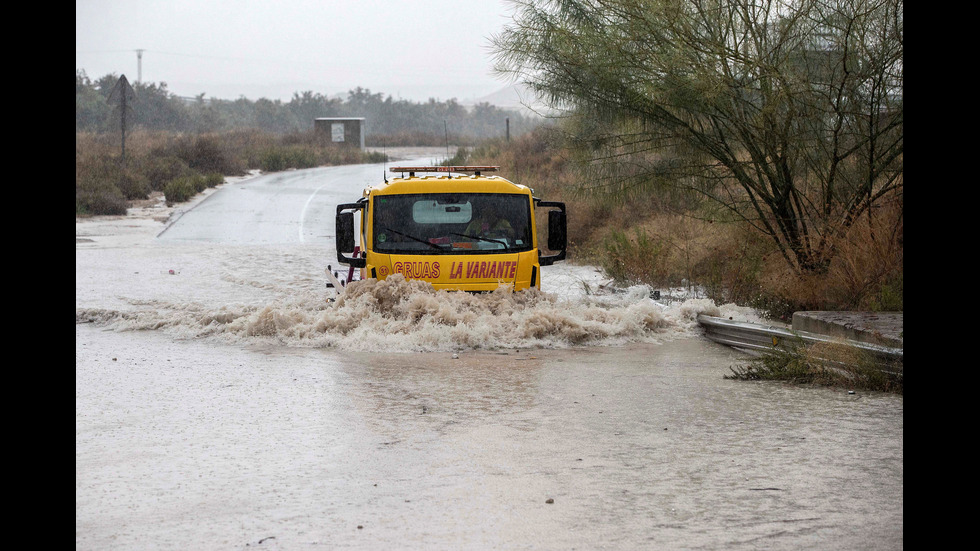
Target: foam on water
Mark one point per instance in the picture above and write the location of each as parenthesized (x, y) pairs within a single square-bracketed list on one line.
[(399, 315)]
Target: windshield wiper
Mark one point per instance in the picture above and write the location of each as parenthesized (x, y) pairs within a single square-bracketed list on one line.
[(482, 239), (413, 238)]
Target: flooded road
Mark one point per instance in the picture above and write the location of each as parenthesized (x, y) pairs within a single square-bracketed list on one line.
[(223, 403)]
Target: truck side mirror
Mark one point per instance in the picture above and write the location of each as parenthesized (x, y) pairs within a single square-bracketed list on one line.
[(557, 230), (345, 235), (345, 232)]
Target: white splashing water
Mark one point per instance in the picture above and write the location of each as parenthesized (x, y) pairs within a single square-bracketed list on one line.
[(275, 295)]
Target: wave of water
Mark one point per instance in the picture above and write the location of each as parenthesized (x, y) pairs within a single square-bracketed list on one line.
[(399, 315)]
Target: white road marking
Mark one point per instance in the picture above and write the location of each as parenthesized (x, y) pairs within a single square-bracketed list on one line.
[(302, 216)]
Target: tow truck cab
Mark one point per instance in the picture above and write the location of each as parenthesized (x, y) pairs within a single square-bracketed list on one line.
[(468, 232)]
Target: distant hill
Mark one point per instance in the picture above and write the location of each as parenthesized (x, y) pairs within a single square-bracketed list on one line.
[(516, 97)]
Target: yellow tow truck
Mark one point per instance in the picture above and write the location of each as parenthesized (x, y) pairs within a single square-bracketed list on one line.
[(452, 226)]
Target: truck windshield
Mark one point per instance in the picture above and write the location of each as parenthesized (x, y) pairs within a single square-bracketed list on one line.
[(452, 223)]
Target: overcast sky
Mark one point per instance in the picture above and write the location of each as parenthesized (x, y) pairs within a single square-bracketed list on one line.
[(272, 48)]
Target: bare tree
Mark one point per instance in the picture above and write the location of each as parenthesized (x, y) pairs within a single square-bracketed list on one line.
[(787, 113)]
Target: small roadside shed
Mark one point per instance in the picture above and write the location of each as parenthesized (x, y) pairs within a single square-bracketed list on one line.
[(342, 131)]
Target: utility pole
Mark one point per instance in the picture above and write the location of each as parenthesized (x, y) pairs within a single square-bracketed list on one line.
[(123, 93), (139, 66)]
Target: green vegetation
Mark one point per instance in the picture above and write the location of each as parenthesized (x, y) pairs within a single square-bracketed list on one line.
[(640, 258), (181, 166), (179, 146), (826, 365), (182, 188), (751, 148), (387, 122), (669, 240), (784, 116)]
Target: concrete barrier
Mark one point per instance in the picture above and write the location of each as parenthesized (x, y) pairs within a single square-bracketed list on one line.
[(757, 339), (880, 328)]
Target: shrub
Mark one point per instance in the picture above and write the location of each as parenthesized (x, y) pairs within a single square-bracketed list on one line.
[(273, 160), (180, 189), (731, 270), (207, 153), (375, 157), (103, 184), (301, 157), (133, 184), (827, 364), (160, 170), (278, 158), (213, 179), (641, 259), (866, 272), (890, 295), (458, 159), (160, 161), (98, 197)]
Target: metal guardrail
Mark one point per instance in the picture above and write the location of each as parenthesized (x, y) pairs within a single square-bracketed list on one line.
[(758, 339)]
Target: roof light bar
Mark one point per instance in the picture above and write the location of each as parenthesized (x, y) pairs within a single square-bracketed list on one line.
[(414, 169)]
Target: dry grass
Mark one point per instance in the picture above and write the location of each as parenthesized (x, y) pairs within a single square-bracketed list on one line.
[(660, 241), (178, 163), (866, 272)]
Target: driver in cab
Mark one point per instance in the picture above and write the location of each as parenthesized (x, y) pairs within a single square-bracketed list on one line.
[(489, 223)]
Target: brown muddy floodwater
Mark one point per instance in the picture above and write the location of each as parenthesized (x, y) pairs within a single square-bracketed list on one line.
[(185, 444), (222, 403)]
